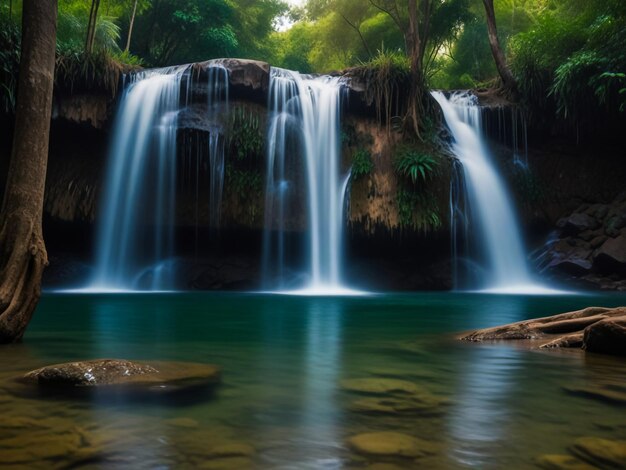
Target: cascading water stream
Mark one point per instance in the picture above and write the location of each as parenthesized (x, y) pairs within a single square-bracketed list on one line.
[(139, 188), (135, 242), (491, 212), (304, 120), (217, 93)]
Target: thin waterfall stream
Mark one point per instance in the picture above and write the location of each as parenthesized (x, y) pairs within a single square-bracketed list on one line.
[(491, 212)]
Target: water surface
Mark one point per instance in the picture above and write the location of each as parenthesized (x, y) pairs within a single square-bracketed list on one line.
[(282, 405)]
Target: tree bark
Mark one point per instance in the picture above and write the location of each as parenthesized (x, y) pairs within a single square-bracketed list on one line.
[(414, 43), (91, 26), (496, 50), (130, 27), (22, 251)]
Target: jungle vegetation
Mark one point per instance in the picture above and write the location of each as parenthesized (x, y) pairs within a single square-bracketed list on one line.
[(566, 58)]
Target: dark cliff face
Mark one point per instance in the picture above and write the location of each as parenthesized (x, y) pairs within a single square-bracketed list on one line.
[(81, 134), (230, 257)]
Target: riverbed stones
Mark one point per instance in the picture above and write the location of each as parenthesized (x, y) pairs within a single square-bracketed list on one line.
[(603, 330), (391, 444), (603, 453), (120, 374)]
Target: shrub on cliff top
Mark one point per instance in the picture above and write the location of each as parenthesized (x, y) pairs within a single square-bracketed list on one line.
[(386, 76)]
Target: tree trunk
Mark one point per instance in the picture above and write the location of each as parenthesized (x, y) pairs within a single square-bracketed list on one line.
[(498, 56), (414, 50), (130, 27), (91, 26), (22, 250)]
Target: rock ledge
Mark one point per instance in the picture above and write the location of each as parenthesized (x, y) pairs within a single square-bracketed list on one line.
[(594, 329)]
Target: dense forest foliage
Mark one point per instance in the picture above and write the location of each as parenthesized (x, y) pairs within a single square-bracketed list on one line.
[(568, 56)]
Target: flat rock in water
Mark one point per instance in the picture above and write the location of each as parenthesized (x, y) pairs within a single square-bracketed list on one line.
[(379, 386), (391, 444), (603, 453), (119, 373), (562, 462)]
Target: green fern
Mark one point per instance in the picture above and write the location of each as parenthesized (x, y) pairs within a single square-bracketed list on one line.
[(415, 165)]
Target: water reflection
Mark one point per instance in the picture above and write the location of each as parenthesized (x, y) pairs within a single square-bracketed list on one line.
[(323, 368), (479, 421), (299, 366), (486, 378)]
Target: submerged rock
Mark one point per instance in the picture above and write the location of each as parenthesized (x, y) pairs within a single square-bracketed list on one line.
[(379, 386), (612, 393), (182, 423), (423, 405), (118, 373), (391, 444), (595, 329), (603, 453), (562, 462), (228, 463)]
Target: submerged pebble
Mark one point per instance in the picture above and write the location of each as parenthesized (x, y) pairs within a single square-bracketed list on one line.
[(391, 444)]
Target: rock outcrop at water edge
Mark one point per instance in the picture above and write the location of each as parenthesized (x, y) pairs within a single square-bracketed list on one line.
[(594, 329)]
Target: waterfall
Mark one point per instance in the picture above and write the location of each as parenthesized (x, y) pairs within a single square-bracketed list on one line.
[(139, 188), (304, 123), (135, 239), (217, 93), (491, 214)]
